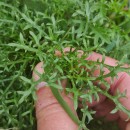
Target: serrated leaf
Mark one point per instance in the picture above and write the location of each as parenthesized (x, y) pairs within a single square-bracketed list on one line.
[(24, 96), (53, 75), (21, 38), (25, 79), (59, 69), (25, 47), (78, 12), (34, 37), (114, 111)]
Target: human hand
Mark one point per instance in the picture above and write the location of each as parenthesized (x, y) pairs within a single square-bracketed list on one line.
[(51, 116)]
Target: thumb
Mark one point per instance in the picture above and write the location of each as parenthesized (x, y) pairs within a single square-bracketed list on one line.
[(49, 113)]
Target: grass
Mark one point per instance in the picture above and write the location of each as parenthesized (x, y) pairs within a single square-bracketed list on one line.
[(30, 32)]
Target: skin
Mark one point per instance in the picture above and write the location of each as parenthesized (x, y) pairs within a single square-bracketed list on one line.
[(49, 110)]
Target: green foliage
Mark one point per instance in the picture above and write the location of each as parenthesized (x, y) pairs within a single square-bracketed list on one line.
[(31, 31)]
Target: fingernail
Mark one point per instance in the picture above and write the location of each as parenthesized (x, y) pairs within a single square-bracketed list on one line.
[(41, 85)]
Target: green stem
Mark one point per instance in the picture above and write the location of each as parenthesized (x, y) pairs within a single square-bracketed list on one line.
[(65, 105)]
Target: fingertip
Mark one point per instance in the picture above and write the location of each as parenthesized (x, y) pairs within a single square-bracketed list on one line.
[(108, 60), (36, 75), (65, 50), (38, 69), (58, 53)]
